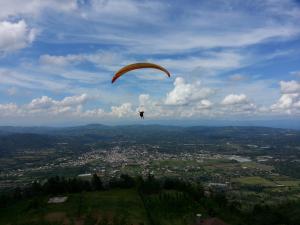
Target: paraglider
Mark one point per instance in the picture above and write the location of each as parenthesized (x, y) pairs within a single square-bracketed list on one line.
[(142, 114), (136, 66)]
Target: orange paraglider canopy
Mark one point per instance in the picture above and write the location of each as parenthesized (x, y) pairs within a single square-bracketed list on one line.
[(136, 66)]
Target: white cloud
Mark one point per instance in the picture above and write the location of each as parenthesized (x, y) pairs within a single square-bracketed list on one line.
[(8, 109), (12, 91), (32, 8), (154, 108), (197, 105), (237, 104), (185, 93), (60, 60), (193, 100), (208, 63), (82, 76), (128, 30), (233, 38), (15, 35), (290, 99), (103, 59), (124, 12), (237, 77), (297, 104), (290, 86), (144, 99), (31, 81), (204, 104), (94, 113), (286, 101), (233, 99), (74, 100), (124, 110), (44, 102), (116, 23), (48, 105), (69, 107)]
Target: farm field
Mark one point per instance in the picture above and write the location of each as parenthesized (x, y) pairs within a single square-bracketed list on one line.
[(255, 180)]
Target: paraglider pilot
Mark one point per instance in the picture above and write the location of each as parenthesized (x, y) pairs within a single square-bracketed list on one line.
[(142, 114)]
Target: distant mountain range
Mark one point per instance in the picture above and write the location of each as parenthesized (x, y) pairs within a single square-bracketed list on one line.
[(79, 137), (133, 129), (154, 132)]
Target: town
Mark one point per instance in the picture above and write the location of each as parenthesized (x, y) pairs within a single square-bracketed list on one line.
[(238, 175)]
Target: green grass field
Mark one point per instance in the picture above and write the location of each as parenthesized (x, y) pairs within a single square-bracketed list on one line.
[(289, 183), (254, 181), (113, 207), (132, 170), (173, 163), (84, 209), (254, 165)]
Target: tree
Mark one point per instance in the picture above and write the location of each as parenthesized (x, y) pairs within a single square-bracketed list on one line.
[(97, 183)]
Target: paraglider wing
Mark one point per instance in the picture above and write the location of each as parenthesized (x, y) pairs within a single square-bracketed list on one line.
[(136, 66)]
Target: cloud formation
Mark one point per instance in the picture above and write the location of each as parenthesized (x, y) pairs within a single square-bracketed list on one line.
[(290, 86), (181, 103), (15, 36), (186, 93), (289, 102), (124, 110), (233, 99), (34, 7), (47, 105), (52, 51)]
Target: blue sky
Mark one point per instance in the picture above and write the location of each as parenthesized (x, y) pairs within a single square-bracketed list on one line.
[(229, 60)]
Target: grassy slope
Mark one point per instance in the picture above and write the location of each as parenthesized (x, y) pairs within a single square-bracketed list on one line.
[(79, 208)]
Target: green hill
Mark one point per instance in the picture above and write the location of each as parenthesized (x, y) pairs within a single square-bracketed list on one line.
[(146, 202), (118, 206)]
